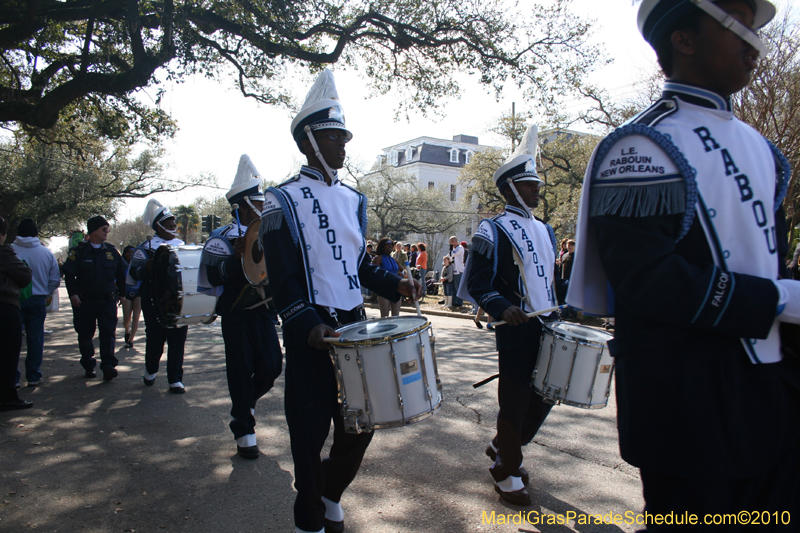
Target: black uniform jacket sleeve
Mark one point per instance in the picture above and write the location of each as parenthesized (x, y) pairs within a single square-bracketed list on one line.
[(288, 284), (658, 280)]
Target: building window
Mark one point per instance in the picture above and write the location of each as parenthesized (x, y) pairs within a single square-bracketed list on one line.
[(393, 156), (468, 157), (454, 155), (452, 193), (409, 154), (431, 185)]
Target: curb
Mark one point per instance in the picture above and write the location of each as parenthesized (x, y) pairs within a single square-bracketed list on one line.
[(434, 312)]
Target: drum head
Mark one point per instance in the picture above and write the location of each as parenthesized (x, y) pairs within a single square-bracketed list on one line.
[(578, 332), (382, 329), (253, 264)]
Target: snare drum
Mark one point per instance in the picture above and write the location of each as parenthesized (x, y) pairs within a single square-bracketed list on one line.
[(386, 373), (175, 295), (574, 366)]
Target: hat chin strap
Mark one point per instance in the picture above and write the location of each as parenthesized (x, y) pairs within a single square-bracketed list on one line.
[(174, 234), (727, 21), (314, 145), (258, 212), (519, 198)]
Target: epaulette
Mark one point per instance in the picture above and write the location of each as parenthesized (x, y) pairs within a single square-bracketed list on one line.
[(665, 187), (655, 113), (290, 180)]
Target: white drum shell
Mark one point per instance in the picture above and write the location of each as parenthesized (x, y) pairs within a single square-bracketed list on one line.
[(195, 307), (387, 383), (574, 366)]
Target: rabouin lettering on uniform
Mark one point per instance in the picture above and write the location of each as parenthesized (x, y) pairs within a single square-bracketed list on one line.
[(523, 237), (330, 237), (743, 183)]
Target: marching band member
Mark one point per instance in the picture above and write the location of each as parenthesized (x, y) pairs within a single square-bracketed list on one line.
[(707, 403), (318, 223), (160, 220), (510, 273), (253, 358)]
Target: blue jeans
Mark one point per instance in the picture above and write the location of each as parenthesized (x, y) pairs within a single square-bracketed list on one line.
[(33, 314)]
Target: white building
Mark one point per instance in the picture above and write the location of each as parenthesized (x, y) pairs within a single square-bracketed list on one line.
[(436, 164)]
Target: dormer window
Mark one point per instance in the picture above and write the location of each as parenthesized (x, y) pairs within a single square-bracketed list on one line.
[(468, 157), (409, 153), (394, 156), (454, 155)]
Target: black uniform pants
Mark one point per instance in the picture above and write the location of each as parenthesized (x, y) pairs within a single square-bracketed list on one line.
[(522, 411), (11, 335), (90, 316), (157, 335), (311, 402), (253, 361), (768, 502)]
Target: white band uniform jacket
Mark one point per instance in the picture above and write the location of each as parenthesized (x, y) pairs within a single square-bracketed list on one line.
[(319, 230), (689, 234)]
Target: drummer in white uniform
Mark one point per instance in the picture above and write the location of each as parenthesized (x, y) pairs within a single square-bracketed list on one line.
[(508, 291), (318, 224), (158, 218)]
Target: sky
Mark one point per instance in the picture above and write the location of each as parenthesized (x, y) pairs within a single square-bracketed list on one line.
[(217, 124)]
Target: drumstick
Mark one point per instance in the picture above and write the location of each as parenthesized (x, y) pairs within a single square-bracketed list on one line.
[(533, 314), (330, 339), (413, 294), (235, 208)]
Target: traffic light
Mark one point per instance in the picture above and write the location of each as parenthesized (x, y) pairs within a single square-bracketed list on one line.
[(208, 222), (217, 221)]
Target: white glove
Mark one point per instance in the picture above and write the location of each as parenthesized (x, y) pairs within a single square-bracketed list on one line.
[(788, 300)]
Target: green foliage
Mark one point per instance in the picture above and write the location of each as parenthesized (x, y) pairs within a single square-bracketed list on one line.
[(187, 219), (563, 157), (399, 207), (95, 55), (62, 176)]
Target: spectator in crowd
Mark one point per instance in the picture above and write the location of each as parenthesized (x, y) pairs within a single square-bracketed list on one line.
[(562, 250), (46, 279), (412, 256), (422, 261), (14, 274), (371, 249), (566, 260), (383, 258), (131, 304), (400, 256), (457, 262), (447, 281)]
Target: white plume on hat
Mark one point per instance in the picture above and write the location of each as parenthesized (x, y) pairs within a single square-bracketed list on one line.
[(152, 211), (247, 177), (322, 108), (529, 144), (323, 89)]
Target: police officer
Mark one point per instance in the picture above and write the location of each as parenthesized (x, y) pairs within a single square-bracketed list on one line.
[(253, 357), (159, 218), (94, 274)]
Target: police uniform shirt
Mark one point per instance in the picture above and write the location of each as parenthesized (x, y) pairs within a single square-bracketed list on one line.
[(95, 272)]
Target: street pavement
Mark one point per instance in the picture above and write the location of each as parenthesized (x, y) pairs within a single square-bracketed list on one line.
[(117, 456)]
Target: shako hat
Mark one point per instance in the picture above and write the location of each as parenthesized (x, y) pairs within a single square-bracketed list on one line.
[(658, 17), (155, 213), (521, 166), (321, 110), (247, 183)]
